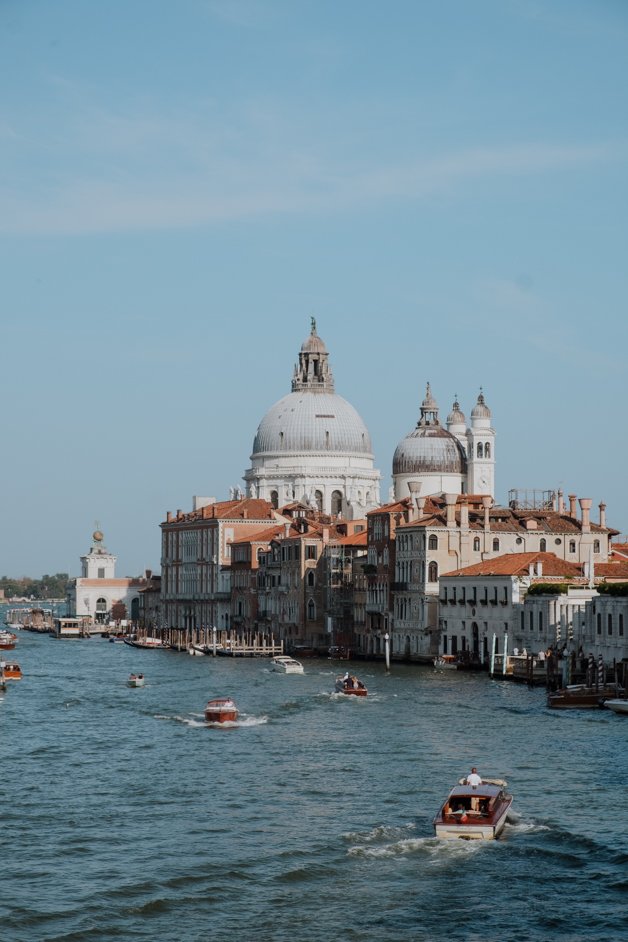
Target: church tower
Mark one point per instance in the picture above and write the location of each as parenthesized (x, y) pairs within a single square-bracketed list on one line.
[(481, 450), (98, 563)]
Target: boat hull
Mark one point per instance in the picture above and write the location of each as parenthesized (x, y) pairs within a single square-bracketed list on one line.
[(474, 813), (617, 706), (586, 698), (221, 711)]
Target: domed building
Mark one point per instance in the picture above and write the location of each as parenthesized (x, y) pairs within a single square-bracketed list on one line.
[(313, 446), (452, 460)]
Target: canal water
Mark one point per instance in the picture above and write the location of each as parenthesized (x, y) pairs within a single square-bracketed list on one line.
[(125, 817)]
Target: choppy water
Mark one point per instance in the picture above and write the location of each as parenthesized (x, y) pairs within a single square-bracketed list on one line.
[(125, 817)]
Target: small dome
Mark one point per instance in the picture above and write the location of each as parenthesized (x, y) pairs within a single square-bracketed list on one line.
[(456, 416), (429, 449), (480, 409), (313, 344)]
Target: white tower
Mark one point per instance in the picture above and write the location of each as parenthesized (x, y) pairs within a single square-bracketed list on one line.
[(481, 450), (98, 563)]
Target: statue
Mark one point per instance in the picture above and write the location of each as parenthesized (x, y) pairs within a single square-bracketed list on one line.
[(313, 320)]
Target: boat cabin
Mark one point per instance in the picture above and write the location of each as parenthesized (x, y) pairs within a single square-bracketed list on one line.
[(466, 801)]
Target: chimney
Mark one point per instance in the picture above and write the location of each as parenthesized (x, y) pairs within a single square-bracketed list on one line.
[(450, 500), (602, 515), (572, 506), (169, 517), (325, 534), (585, 507), (420, 504), (539, 567), (414, 487), (464, 515), (486, 503), (286, 530), (561, 502)]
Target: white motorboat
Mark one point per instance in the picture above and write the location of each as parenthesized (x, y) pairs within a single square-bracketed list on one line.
[(474, 812), (446, 662), (286, 665), (617, 706), (136, 680)]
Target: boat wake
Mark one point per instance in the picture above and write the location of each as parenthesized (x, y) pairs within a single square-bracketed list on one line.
[(198, 721)]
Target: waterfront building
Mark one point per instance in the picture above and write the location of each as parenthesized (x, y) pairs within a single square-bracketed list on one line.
[(98, 594), (196, 559), (312, 446)]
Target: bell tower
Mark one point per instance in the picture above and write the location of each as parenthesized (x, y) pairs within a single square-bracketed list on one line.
[(481, 450)]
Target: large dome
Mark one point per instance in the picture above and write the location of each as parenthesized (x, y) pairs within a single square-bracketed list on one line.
[(312, 422), (428, 450)]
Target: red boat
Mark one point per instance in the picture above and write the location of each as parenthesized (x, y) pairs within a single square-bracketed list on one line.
[(351, 686), (11, 671), (7, 640), (221, 710)]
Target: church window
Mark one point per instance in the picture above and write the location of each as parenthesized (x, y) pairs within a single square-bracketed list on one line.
[(311, 610), (101, 573), (432, 543), (480, 450), (476, 544), (496, 546), (281, 440), (596, 546), (572, 546), (432, 572), (336, 502), (274, 499), (487, 450), (543, 546)]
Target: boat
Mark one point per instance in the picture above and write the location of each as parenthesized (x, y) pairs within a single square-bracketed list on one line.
[(617, 705), (286, 665), (136, 680), (11, 671), (474, 812), (8, 640), (148, 644), (446, 662), (221, 710), (198, 650), (583, 696), (351, 686)]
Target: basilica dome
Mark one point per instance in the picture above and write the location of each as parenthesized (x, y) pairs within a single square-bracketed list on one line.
[(312, 445), (428, 450), (312, 422)]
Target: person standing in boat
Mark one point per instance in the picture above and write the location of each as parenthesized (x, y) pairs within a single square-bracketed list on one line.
[(473, 779)]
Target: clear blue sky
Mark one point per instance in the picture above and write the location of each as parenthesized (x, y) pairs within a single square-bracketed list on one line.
[(442, 184)]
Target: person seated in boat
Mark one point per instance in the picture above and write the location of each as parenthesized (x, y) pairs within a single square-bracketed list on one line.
[(473, 779)]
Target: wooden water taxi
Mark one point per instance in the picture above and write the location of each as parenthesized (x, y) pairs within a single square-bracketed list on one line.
[(221, 710), (8, 640), (11, 671), (283, 664), (350, 686), (583, 697), (147, 644), (136, 680), (474, 813)]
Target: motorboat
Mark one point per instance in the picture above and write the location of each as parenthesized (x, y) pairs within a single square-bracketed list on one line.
[(351, 686), (8, 640), (11, 671), (617, 705), (474, 812), (221, 710), (446, 662), (136, 680), (148, 643), (286, 665), (196, 650), (583, 696)]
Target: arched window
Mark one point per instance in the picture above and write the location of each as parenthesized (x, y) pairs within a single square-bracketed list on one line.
[(336, 502), (480, 450), (274, 499), (311, 578), (476, 544), (311, 610), (318, 498), (432, 572), (496, 546), (543, 546), (487, 450), (596, 546), (432, 543)]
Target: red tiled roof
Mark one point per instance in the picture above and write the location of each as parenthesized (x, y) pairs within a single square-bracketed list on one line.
[(355, 539), (516, 564), (617, 569)]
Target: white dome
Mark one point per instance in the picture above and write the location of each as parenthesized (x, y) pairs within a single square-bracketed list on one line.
[(312, 422)]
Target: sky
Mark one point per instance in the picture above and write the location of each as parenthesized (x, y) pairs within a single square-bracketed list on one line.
[(442, 184)]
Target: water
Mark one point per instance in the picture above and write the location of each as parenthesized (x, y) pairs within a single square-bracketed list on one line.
[(125, 817)]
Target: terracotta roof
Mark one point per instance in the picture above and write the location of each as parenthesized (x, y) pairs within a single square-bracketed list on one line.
[(261, 536), (248, 508), (620, 550), (518, 564), (356, 539), (617, 569), (397, 506)]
